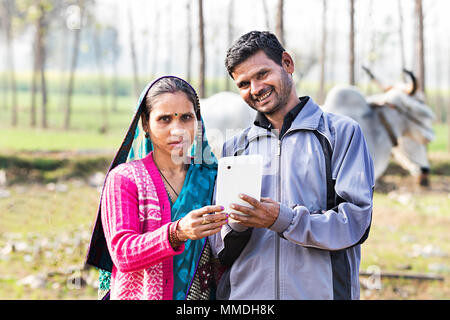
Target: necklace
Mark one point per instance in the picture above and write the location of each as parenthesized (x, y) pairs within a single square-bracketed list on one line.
[(167, 181), (169, 185)]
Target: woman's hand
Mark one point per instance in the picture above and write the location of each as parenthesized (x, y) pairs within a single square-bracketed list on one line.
[(201, 223)]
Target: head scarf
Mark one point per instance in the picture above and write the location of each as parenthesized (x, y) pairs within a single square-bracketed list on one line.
[(196, 192)]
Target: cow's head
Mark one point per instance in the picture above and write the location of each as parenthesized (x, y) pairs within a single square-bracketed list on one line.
[(416, 118)]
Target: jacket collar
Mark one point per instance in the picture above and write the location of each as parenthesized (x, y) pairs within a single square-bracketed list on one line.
[(308, 119)]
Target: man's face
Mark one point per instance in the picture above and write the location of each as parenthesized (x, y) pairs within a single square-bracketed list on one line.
[(263, 84)]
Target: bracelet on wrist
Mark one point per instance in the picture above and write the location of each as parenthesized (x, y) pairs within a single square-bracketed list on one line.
[(175, 241)]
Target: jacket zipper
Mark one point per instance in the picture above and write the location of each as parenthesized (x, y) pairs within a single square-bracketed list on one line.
[(277, 238)]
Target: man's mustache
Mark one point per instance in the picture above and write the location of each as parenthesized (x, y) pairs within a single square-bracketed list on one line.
[(261, 93)]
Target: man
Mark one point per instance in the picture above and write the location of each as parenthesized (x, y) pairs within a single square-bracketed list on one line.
[(302, 240)]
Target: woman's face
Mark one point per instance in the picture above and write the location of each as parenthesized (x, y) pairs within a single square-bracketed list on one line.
[(172, 124)]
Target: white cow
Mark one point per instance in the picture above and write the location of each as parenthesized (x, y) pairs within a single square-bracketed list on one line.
[(225, 114), (396, 121)]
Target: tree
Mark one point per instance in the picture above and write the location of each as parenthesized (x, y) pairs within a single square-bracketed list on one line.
[(168, 38), (448, 114), (201, 36), (156, 27), (279, 29), (323, 53), (189, 41), (266, 15), (401, 39), (41, 27), (437, 97), (6, 12), (155, 42), (73, 65), (115, 57), (98, 49), (420, 47), (352, 43), (230, 36), (39, 14), (133, 52)]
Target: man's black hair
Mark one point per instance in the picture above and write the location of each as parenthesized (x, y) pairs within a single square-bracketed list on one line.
[(249, 44)]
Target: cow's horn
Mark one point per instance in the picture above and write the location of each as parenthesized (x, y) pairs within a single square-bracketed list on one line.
[(414, 82), (374, 79), (367, 70)]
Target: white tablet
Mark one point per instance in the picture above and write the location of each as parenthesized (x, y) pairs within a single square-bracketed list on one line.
[(240, 174)]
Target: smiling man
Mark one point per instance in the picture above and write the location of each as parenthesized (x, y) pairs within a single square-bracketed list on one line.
[(302, 239)]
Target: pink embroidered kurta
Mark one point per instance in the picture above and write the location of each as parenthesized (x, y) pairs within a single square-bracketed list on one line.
[(136, 219)]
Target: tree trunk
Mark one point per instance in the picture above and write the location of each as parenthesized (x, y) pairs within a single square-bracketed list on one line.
[(168, 38), (373, 45), (156, 28), (41, 29), (401, 38), (279, 29), (332, 45), (73, 67), (101, 79), (4, 85), (34, 82), (115, 81), (420, 46), (448, 109), (266, 14), (63, 52), (323, 54), (438, 105), (136, 86), (189, 41), (352, 43), (37, 68), (144, 40), (202, 64), (115, 58), (10, 63), (230, 38), (44, 123)]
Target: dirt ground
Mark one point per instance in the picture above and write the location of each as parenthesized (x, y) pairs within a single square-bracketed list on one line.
[(409, 236)]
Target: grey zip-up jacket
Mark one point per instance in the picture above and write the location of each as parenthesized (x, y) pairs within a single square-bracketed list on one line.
[(312, 251)]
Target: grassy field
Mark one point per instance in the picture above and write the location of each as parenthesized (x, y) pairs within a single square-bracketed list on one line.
[(409, 235), (43, 241), (84, 134)]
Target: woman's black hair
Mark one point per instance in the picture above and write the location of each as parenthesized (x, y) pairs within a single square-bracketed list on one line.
[(169, 85), (249, 44)]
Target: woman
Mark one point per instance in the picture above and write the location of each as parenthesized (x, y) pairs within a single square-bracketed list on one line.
[(155, 212)]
